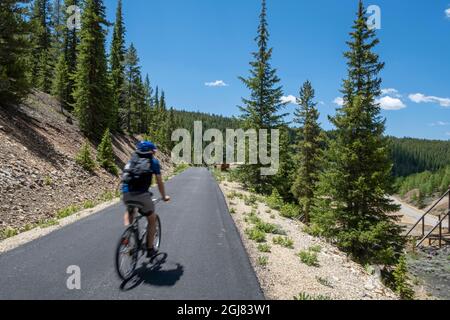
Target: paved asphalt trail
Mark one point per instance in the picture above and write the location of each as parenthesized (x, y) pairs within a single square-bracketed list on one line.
[(205, 256)]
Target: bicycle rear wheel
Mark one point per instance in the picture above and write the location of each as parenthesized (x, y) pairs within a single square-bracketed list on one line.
[(127, 254)]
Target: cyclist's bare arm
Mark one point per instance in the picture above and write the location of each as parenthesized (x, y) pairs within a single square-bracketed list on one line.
[(161, 188)]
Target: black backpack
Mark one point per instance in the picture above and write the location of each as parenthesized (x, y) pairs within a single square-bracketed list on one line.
[(137, 173)]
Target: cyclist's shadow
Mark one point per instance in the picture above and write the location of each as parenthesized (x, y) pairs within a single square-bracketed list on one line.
[(154, 273)]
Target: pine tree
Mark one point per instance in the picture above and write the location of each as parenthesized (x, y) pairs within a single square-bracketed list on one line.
[(84, 158), (133, 92), (105, 154), (67, 35), (13, 48), (401, 280), (148, 98), (61, 82), (118, 66), (309, 149), (261, 110), (40, 62), (353, 204), (92, 87)]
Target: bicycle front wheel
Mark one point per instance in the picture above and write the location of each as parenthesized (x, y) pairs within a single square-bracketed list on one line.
[(127, 254), (157, 242)]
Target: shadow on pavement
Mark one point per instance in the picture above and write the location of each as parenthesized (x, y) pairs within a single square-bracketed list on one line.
[(158, 272)]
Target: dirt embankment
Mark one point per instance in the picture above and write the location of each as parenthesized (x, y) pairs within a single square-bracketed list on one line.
[(38, 173)]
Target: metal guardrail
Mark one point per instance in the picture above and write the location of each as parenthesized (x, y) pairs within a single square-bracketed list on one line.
[(428, 235)]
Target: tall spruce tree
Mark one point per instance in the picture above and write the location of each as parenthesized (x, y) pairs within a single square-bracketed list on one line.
[(308, 149), (13, 48), (353, 207), (63, 83), (261, 110), (117, 62), (92, 92), (133, 91), (40, 61)]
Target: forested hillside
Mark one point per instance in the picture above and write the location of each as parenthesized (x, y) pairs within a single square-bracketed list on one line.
[(417, 155)]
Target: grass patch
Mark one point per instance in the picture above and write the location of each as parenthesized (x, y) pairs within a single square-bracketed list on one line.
[(264, 248), (9, 232), (89, 204), (67, 212), (232, 211), (47, 223), (180, 168), (263, 261), (256, 235), (309, 258), (284, 242), (307, 297)]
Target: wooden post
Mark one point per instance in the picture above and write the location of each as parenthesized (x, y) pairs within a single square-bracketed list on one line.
[(448, 227), (440, 232), (423, 227)]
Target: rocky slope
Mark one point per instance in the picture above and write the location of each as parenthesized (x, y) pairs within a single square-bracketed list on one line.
[(279, 268), (38, 173)]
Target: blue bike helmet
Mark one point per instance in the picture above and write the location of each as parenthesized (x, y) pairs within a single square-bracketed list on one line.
[(146, 147)]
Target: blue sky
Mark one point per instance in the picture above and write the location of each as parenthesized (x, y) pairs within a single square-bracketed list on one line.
[(186, 44)]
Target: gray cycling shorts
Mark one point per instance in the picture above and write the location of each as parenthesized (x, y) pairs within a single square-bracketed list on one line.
[(143, 201)]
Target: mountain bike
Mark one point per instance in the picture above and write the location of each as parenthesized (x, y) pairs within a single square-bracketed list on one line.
[(133, 243)]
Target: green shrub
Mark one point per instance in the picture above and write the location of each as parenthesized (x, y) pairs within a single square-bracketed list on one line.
[(48, 181), (401, 280), (275, 201), (316, 249), (84, 158), (105, 154), (233, 211), (269, 228), (263, 261), (305, 297), (264, 248), (250, 200), (284, 242), (290, 211), (256, 235), (309, 258)]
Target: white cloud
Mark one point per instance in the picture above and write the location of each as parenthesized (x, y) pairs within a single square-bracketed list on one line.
[(289, 99), (390, 103), (217, 83), (389, 91), (421, 98), (439, 123), (339, 101), (447, 13)]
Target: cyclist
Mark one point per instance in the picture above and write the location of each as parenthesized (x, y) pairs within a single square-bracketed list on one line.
[(136, 182)]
